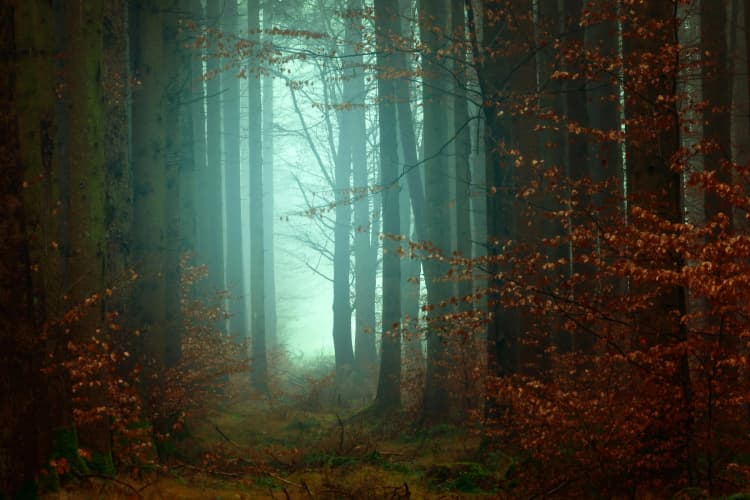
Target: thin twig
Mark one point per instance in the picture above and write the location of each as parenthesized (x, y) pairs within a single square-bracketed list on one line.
[(307, 488), (341, 433), (283, 480), (207, 471)]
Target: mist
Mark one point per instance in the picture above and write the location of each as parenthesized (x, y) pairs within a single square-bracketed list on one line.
[(374, 249)]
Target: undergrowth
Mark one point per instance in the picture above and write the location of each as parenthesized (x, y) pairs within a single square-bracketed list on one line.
[(302, 441)]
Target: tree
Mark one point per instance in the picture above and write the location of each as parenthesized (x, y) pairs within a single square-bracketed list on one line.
[(155, 199), (211, 180), (389, 379), (268, 185), (235, 270), (494, 66), (365, 252), (462, 141), (17, 354), (86, 196), (437, 136), (342, 310), (257, 262)]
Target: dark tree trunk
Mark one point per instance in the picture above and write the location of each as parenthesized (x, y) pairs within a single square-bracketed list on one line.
[(437, 136), (389, 380)]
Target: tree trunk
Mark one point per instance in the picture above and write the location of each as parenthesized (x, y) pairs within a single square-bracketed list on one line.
[(365, 353), (235, 269), (493, 67), (214, 174), (86, 229), (19, 448), (389, 380), (437, 136), (149, 148), (257, 264), (268, 195), (717, 89), (462, 141)]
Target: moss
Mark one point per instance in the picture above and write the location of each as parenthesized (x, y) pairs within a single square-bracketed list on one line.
[(102, 463), (466, 477), (65, 445)]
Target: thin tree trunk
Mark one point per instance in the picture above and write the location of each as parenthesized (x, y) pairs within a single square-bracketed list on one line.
[(214, 174), (235, 269), (462, 149), (364, 264), (342, 310), (257, 264), (268, 187)]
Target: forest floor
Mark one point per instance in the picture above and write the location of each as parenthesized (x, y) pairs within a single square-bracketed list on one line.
[(309, 447)]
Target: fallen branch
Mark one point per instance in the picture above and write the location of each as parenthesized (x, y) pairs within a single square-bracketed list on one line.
[(390, 453), (208, 471)]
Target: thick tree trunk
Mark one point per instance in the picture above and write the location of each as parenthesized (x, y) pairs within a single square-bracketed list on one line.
[(493, 68), (151, 196), (717, 89), (119, 178), (86, 225), (20, 453), (437, 136), (389, 380)]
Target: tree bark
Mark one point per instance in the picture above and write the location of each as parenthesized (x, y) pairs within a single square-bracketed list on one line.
[(437, 136), (235, 269), (257, 265), (389, 380)]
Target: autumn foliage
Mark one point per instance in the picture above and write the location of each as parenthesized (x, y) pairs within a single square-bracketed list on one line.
[(629, 374), (144, 407)]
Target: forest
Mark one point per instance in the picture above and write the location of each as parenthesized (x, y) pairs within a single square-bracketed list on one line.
[(357, 249)]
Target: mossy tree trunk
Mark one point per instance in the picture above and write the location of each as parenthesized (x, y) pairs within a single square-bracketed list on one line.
[(155, 193), (86, 198)]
